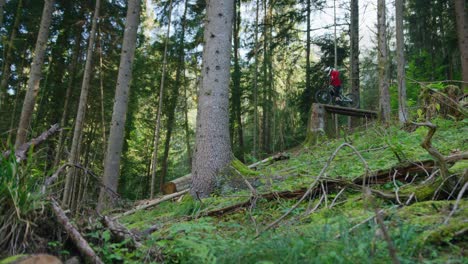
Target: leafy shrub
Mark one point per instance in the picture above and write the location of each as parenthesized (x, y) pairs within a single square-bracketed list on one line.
[(20, 200)]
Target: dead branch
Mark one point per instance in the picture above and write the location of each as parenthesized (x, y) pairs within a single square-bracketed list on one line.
[(151, 203), (121, 232), (361, 223), (81, 244), (49, 181), (460, 195), (21, 151), (380, 222), (269, 160), (252, 200), (427, 145), (312, 185)]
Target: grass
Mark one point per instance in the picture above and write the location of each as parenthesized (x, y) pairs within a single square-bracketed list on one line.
[(417, 230)]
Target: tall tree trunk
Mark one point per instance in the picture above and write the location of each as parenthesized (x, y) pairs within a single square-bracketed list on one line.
[(308, 43), (174, 98), (354, 31), (186, 124), (70, 85), (212, 148), (265, 103), (35, 73), (117, 130), (335, 41), (2, 6), (9, 53), (382, 62), (83, 104), (236, 91), (400, 49), (101, 88), (158, 118), (461, 12), (255, 130)]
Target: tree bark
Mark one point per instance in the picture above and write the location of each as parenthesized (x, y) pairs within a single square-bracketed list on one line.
[(382, 62), (9, 50), (83, 104), (173, 100), (308, 43), (237, 91), (2, 6), (255, 130), (354, 31), (212, 148), (81, 244), (461, 13), (35, 74), (400, 49), (158, 118), (71, 81), (117, 130)]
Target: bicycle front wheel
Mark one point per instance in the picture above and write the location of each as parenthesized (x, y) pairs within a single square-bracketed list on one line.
[(323, 96), (351, 100)]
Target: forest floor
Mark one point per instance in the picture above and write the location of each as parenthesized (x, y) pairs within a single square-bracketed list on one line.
[(407, 214)]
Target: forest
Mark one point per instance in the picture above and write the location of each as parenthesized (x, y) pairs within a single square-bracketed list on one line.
[(233, 131)]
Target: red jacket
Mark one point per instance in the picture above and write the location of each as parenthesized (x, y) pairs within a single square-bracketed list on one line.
[(335, 78)]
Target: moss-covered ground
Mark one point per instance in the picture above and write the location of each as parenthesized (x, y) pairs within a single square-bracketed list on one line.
[(336, 228)]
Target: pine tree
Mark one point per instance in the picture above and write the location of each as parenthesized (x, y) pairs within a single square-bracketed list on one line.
[(35, 73), (117, 130), (212, 149)]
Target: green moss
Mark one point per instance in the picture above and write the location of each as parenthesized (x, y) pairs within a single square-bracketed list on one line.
[(242, 168), (422, 192), (460, 166), (11, 259)]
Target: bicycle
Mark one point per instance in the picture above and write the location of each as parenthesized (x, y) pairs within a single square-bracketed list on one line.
[(327, 96)]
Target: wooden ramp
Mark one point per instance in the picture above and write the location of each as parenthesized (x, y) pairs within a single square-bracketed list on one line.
[(334, 109), (323, 116)]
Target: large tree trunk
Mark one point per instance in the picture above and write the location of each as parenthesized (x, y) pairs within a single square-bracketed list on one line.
[(158, 118), (117, 130), (212, 148), (173, 100), (255, 130), (382, 62), (35, 73), (308, 43), (400, 49), (461, 11), (354, 32), (9, 52), (80, 116), (237, 91)]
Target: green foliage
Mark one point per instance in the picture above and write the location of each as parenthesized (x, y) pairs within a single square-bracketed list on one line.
[(323, 236), (19, 201)]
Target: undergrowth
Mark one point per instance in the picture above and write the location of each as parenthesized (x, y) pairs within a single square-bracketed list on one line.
[(340, 230)]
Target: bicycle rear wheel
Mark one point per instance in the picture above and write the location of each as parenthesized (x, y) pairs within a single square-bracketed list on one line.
[(323, 96)]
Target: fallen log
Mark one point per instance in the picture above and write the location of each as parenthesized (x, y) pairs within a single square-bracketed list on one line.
[(81, 244), (401, 170), (21, 151), (379, 177), (184, 182), (121, 232), (277, 157), (151, 203)]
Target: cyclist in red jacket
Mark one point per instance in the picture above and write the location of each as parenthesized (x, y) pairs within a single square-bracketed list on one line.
[(335, 81)]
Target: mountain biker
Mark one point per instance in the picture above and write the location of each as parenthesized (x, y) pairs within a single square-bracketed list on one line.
[(335, 81)]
